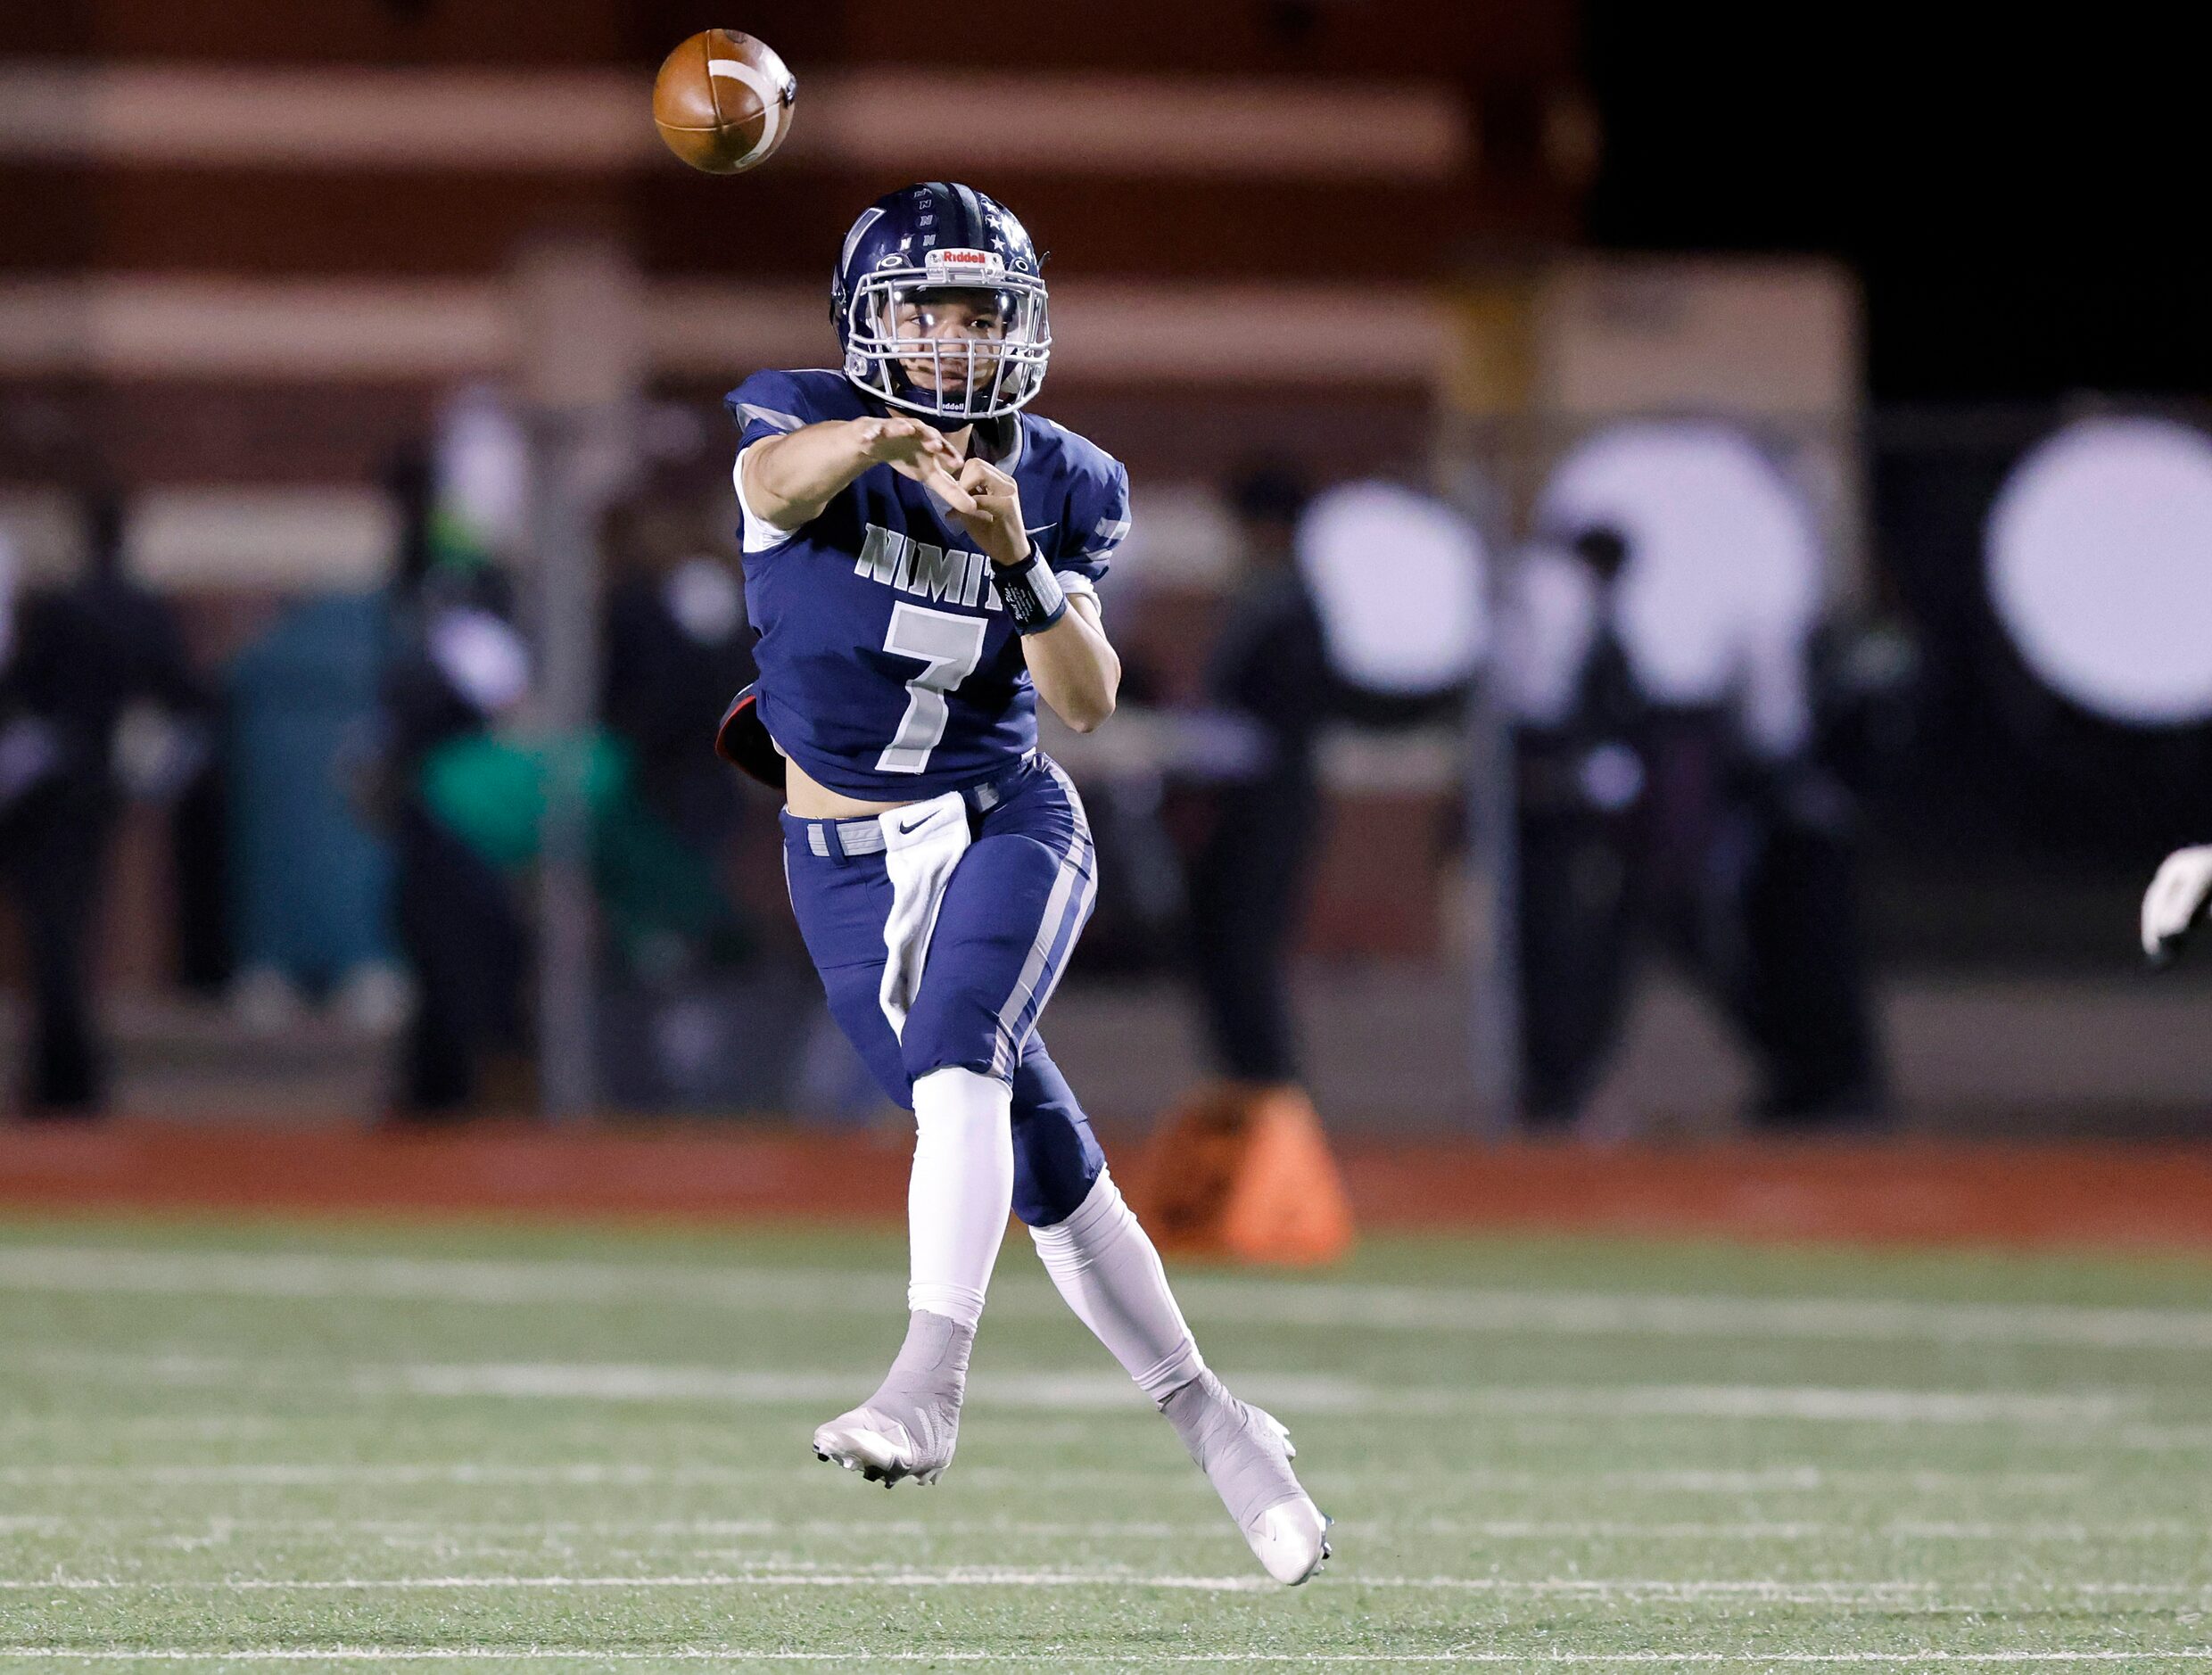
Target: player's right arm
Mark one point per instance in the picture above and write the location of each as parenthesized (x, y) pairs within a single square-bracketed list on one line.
[(789, 479)]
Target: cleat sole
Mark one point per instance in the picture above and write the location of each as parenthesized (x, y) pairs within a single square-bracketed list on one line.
[(869, 1469)]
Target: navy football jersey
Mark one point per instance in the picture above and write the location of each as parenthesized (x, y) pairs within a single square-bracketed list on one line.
[(890, 668)]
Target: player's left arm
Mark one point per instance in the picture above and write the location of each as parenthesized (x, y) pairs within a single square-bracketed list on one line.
[(1074, 665), (1070, 656)]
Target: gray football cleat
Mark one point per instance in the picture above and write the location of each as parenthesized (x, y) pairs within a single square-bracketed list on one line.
[(910, 1426), (1245, 1452)]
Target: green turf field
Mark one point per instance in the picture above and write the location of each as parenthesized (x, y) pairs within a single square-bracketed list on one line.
[(335, 1447)]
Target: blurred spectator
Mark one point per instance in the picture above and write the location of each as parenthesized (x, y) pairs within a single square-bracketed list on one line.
[(96, 703), (677, 646), (465, 782), (1269, 687), (1363, 606), (457, 662), (311, 910), (1673, 798)]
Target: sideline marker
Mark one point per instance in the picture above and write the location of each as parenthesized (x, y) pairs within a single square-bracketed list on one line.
[(1243, 1170)]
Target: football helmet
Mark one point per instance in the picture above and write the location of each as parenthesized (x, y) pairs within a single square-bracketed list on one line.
[(939, 304)]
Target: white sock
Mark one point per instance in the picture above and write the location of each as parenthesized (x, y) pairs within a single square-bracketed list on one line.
[(1106, 1268), (961, 1191)]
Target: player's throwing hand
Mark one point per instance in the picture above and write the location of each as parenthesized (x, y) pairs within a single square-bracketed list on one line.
[(2174, 904), (916, 451)]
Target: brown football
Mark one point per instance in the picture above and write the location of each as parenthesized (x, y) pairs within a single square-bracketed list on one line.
[(722, 101)]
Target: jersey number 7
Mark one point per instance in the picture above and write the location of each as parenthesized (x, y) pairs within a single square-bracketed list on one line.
[(950, 648)]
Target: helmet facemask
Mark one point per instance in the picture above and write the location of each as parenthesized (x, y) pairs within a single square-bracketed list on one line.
[(959, 338)]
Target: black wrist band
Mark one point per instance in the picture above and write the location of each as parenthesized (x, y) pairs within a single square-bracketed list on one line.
[(1034, 596)]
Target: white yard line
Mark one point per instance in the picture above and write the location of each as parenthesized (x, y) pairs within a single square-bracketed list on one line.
[(947, 1577), (469, 1472), (219, 1528), (108, 1426), (1761, 1590), (571, 1283), (1298, 1394), (2167, 1439), (1900, 1529), (466, 1473), (738, 1654), (1306, 1394), (1781, 1478), (1652, 1315), (555, 1282)]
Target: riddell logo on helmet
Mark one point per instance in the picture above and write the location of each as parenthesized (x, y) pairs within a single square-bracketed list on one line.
[(982, 264)]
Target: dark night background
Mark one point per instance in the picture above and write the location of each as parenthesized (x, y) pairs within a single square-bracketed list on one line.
[(2023, 202)]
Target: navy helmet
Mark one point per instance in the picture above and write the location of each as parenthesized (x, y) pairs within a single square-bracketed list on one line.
[(939, 304)]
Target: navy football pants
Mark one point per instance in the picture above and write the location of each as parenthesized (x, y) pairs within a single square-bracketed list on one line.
[(1007, 923)]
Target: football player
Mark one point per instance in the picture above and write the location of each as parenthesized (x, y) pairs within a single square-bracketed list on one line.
[(922, 558)]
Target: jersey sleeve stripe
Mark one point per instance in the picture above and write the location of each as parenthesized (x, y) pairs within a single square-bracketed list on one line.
[(769, 416), (1111, 529)]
